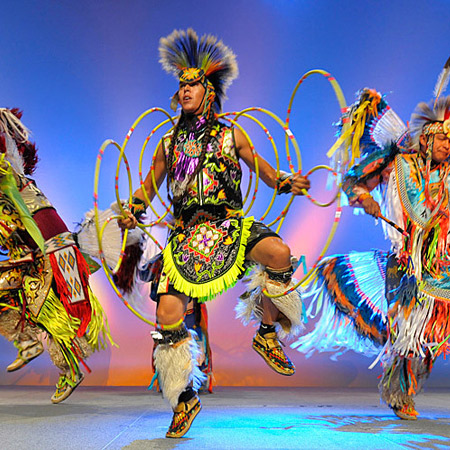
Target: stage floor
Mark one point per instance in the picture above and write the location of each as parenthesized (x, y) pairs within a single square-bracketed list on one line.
[(232, 418)]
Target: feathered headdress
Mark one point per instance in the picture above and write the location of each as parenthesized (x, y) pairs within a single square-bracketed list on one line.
[(371, 125), (207, 60), (433, 117), (21, 156), (14, 143), (11, 125), (434, 112)]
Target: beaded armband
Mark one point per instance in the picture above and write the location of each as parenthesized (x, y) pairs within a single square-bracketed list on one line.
[(284, 183), (137, 207)]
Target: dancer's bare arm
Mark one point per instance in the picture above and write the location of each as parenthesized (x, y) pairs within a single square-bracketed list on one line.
[(159, 173), (267, 173)]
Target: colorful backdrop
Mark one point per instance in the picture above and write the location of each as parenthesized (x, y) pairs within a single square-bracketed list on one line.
[(83, 71)]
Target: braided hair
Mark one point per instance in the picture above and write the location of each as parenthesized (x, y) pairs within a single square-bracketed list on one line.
[(170, 155)]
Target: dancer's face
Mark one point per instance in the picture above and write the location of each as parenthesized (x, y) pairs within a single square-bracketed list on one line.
[(192, 97), (441, 147)]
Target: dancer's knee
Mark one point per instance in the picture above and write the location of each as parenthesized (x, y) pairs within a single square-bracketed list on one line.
[(272, 252), (171, 309)]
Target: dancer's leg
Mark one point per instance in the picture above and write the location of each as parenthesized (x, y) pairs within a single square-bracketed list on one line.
[(175, 360), (273, 254), (25, 336), (402, 380)]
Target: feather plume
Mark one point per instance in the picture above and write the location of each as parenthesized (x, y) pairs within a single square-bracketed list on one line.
[(443, 79), (219, 64), (23, 151), (434, 111), (178, 51), (183, 49), (11, 125)]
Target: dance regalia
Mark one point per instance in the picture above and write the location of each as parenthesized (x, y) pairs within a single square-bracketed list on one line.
[(48, 290), (196, 321), (394, 304), (206, 251)]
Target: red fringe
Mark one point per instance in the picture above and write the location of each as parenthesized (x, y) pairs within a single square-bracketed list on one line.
[(84, 271), (77, 352), (204, 328), (438, 327), (27, 149), (412, 380), (124, 278), (82, 309)]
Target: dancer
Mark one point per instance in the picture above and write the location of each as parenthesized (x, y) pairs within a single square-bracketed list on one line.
[(399, 301), (212, 243), (44, 281)]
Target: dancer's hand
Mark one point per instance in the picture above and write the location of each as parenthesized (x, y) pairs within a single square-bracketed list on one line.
[(371, 207), (299, 182), (129, 221)]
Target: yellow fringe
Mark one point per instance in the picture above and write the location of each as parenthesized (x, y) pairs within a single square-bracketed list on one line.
[(354, 131), (207, 291), (54, 318), (98, 331)]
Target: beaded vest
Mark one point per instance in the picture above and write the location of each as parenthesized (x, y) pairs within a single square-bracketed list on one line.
[(215, 192)]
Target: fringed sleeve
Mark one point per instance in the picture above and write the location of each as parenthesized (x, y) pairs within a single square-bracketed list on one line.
[(369, 173)]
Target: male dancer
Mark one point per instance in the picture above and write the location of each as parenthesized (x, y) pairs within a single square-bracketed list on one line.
[(212, 241), (401, 300), (44, 283)]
